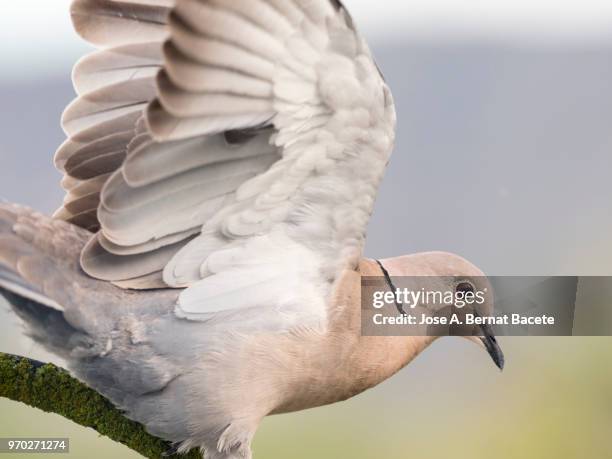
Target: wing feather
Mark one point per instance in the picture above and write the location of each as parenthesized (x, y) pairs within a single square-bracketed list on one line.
[(114, 85), (155, 244), (108, 23), (107, 266), (205, 49), (154, 162), (116, 65), (184, 104), (189, 75), (118, 196)]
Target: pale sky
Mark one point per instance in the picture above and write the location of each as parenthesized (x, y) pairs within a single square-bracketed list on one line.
[(38, 31)]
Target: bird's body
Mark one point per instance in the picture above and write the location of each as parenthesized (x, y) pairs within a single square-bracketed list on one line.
[(189, 381), (221, 165)]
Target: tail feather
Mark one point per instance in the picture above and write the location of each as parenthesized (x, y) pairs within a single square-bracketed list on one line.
[(46, 325), (28, 267), (32, 249), (101, 331), (13, 283)]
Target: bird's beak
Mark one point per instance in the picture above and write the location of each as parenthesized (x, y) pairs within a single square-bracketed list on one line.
[(490, 343)]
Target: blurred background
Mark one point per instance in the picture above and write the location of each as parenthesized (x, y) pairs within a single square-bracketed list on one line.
[(503, 156)]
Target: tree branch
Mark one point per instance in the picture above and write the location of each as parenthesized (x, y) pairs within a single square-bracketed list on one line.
[(52, 389)]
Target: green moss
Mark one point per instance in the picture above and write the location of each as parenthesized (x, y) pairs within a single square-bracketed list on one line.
[(52, 389)]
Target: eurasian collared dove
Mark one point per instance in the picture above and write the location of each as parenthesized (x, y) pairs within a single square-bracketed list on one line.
[(204, 271)]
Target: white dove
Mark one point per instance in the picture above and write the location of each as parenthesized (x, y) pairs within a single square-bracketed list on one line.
[(222, 162)]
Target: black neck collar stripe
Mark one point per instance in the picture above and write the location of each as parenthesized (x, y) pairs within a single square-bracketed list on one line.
[(399, 306)]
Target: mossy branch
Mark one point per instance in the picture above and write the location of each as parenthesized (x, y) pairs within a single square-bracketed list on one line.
[(52, 389)]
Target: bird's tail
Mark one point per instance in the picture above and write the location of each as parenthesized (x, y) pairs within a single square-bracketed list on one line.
[(36, 253), (39, 260), (75, 316)]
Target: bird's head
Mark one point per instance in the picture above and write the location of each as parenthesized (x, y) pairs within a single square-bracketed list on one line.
[(447, 272)]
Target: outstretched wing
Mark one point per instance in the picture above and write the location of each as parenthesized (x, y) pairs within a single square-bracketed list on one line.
[(233, 147)]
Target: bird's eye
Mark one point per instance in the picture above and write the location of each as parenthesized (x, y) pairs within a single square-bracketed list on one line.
[(464, 287)]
